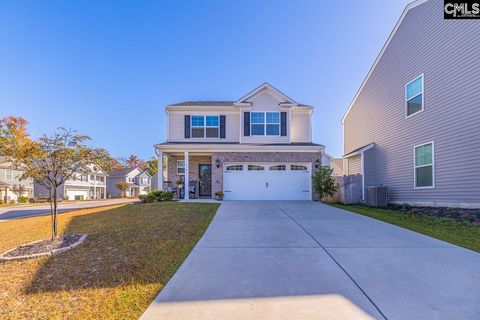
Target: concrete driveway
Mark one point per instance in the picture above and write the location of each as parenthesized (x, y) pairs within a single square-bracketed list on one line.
[(305, 260), (16, 212)]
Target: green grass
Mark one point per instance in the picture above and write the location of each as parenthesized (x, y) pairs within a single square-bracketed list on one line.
[(464, 234), (130, 253)]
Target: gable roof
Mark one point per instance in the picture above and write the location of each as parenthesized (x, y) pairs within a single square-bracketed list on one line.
[(409, 7), (121, 172), (265, 86), (203, 103), (283, 99)]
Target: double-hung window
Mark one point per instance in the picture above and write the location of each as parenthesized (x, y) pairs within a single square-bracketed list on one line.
[(198, 126), (273, 123), (212, 126), (180, 167), (265, 123), (257, 123), (414, 96), (205, 126), (424, 163)]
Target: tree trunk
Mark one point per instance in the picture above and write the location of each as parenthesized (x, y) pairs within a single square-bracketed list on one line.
[(55, 220), (51, 213)]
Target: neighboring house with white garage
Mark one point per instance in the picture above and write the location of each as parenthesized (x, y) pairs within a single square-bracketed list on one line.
[(414, 124), (138, 180), (255, 148), (87, 186), (10, 178)]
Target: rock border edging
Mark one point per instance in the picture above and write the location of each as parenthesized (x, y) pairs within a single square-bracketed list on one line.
[(41, 254)]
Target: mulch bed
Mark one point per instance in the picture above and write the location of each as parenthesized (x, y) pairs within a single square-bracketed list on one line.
[(44, 246), (456, 214)]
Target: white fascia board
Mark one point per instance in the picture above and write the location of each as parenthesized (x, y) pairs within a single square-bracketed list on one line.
[(360, 151), (237, 148), (390, 37)]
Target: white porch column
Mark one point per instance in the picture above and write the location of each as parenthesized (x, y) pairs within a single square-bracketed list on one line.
[(94, 187), (160, 177), (186, 186)]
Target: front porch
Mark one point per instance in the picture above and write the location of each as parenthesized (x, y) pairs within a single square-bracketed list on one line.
[(196, 168)]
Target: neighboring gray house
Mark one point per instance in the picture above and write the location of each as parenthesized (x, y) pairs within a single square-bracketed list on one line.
[(414, 124), (88, 186), (9, 178), (255, 148), (139, 182)]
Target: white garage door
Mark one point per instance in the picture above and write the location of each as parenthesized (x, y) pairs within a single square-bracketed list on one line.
[(267, 181), (77, 194)]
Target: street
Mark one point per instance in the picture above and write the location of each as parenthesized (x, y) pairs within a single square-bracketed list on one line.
[(14, 212)]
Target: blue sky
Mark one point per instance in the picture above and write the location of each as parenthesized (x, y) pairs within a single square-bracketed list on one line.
[(107, 68)]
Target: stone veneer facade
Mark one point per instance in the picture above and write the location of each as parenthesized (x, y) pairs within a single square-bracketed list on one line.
[(217, 173)]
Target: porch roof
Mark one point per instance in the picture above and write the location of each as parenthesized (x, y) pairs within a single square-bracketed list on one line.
[(238, 147)]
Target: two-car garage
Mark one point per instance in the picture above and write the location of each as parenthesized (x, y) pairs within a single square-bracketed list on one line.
[(267, 181)]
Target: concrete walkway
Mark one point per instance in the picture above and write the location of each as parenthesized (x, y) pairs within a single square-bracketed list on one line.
[(305, 260)]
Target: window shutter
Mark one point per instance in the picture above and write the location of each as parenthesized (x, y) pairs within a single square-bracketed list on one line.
[(283, 124), (187, 126), (246, 124), (222, 127)]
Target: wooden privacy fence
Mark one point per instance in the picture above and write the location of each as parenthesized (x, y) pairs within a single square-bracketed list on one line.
[(349, 190)]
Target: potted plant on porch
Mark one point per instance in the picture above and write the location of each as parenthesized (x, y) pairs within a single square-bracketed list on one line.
[(179, 184), (219, 195)]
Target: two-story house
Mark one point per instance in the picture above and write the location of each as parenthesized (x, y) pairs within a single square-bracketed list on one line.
[(139, 182), (11, 179), (257, 147), (414, 124), (88, 186)]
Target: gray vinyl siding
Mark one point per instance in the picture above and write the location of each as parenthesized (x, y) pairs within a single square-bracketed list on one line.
[(368, 169), (447, 53), (354, 165), (112, 189)]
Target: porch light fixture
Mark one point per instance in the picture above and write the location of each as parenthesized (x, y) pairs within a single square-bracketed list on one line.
[(217, 162), (317, 163)]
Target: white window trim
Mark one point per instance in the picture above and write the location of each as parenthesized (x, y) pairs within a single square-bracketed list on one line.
[(424, 165), (179, 173), (204, 126), (422, 93), (11, 175), (265, 124)]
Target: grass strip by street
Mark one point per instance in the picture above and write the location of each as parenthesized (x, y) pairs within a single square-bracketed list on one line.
[(464, 234), (129, 255)]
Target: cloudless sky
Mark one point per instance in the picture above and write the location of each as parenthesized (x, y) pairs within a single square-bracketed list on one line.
[(108, 68)]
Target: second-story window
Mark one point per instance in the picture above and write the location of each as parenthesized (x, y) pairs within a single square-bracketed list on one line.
[(8, 174), (205, 126), (265, 123), (414, 96)]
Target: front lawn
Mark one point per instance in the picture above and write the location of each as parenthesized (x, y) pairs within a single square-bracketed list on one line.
[(464, 234), (129, 255)]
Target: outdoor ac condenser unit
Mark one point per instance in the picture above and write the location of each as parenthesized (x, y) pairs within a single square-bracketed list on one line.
[(377, 196)]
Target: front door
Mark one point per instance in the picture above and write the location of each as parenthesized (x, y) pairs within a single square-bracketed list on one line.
[(205, 180)]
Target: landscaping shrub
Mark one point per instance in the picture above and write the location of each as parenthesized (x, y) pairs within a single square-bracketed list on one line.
[(22, 199), (147, 198), (324, 183), (12, 201), (1, 201), (162, 195)]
